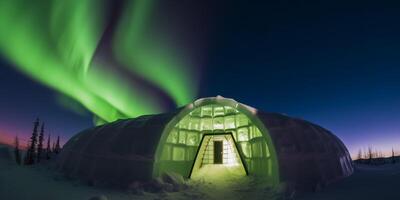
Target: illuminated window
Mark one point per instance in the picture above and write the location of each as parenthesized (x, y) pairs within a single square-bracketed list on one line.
[(219, 123), (229, 122), (178, 153), (219, 111), (206, 124), (256, 149), (173, 136), (184, 124), (243, 134), (206, 111), (195, 124), (266, 150), (196, 112), (229, 110), (192, 138), (246, 149), (241, 120), (182, 137)]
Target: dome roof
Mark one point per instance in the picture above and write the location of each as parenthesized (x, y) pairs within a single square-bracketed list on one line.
[(302, 154), (308, 154)]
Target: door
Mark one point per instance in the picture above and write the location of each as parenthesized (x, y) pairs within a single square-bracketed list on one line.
[(218, 147)]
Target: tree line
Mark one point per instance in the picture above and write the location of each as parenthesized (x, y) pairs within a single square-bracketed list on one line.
[(376, 157), (36, 151)]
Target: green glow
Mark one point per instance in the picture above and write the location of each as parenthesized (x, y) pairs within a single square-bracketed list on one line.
[(216, 118), (27, 39), (205, 169), (183, 141), (137, 46), (54, 42)]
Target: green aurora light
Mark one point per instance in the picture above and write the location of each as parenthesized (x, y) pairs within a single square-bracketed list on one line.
[(55, 41), (137, 46)]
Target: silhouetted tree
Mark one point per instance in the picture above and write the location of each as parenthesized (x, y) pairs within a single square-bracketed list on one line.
[(40, 144), (53, 148), (57, 149), (30, 159), (17, 152), (48, 150), (370, 155), (365, 153), (393, 158), (26, 157), (359, 155)]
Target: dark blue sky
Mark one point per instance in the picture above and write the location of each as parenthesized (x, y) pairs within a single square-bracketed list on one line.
[(335, 64), (23, 99)]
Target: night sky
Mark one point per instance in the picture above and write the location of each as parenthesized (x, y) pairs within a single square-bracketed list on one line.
[(334, 64)]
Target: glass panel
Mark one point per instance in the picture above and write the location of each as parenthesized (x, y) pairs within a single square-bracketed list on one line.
[(190, 153), (206, 124), (195, 124), (196, 112), (243, 134), (182, 137), (206, 111), (229, 110), (218, 111), (173, 136), (166, 154), (184, 123), (256, 149), (192, 138), (219, 123), (229, 122), (241, 120), (230, 157), (246, 149), (266, 150), (251, 132), (178, 154), (257, 132)]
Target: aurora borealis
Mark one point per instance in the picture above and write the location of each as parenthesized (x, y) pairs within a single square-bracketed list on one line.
[(55, 43), (72, 62)]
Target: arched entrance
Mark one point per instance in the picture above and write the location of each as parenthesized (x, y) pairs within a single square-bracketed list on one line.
[(181, 140), (218, 156)]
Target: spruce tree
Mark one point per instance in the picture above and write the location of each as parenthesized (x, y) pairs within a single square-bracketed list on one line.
[(40, 144), (57, 148), (370, 155), (48, 150), (17, 152), (53, 148), (393, 158), (359, 156), (32, 147), (26, 157)]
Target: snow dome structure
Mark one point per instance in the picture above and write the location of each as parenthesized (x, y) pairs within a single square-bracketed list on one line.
[(209, 134)]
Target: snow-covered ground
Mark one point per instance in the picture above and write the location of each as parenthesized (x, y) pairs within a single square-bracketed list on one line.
[(368, 182), (42, 182)]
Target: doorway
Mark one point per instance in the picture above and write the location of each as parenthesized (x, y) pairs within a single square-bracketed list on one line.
[(218, 152), (217, 157)]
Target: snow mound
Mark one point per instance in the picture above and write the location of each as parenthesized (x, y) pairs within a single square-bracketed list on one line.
[(101, 197), (167, 182), (5, 154)]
